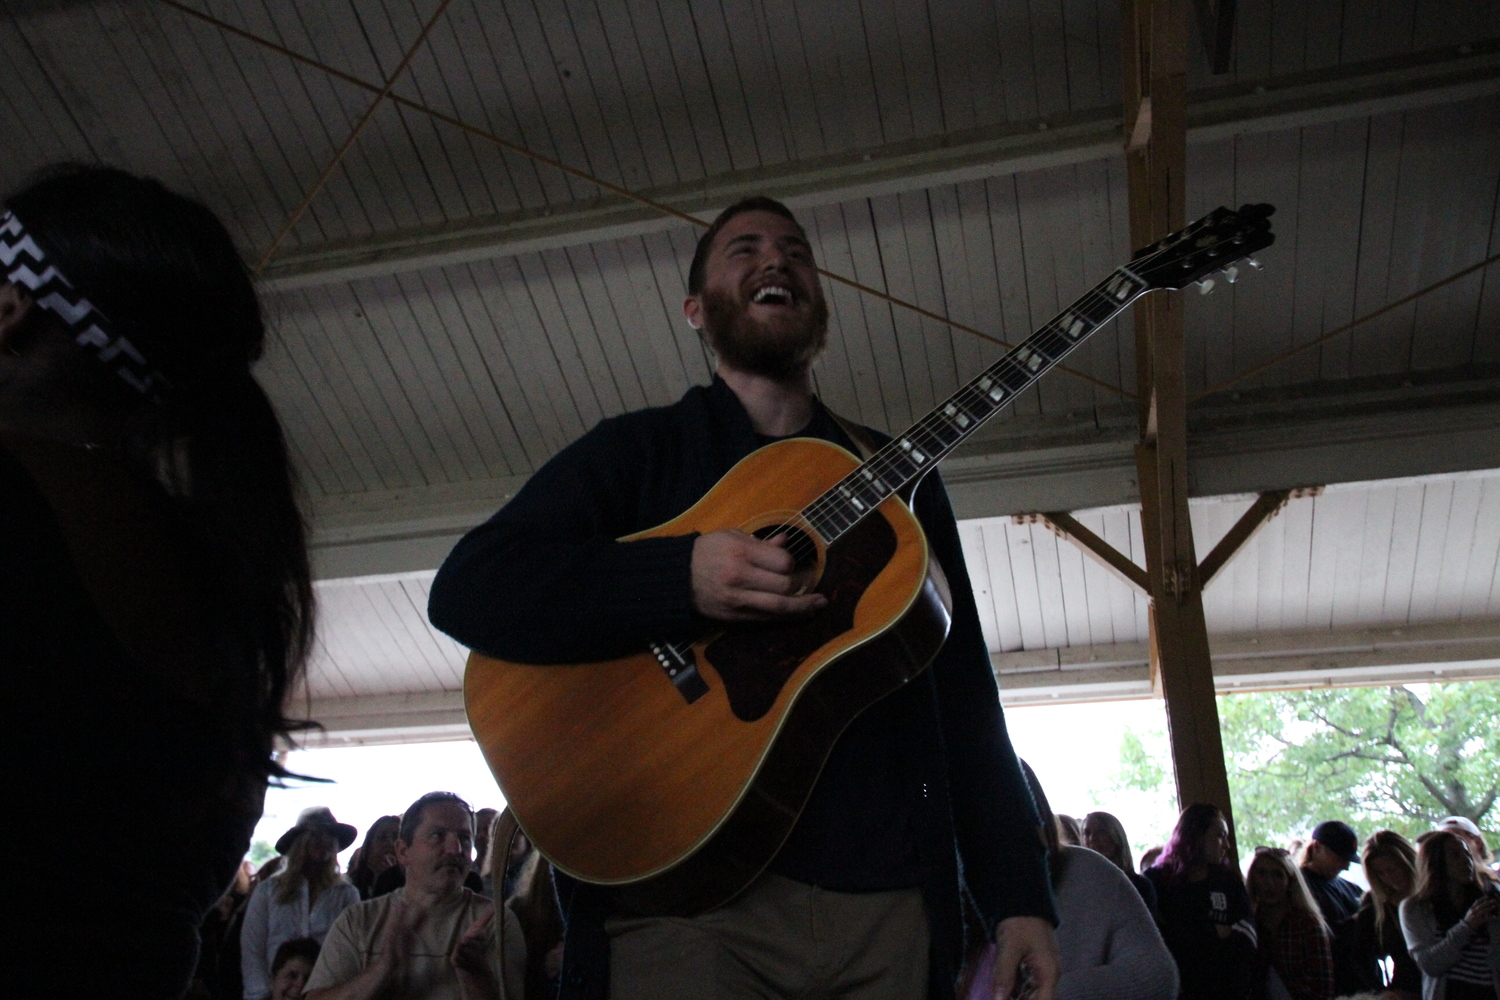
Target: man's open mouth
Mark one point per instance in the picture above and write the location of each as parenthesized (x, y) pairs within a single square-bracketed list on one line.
[(773, 295)]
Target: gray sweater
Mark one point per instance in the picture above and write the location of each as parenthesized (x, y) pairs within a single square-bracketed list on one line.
[(1111, 949)]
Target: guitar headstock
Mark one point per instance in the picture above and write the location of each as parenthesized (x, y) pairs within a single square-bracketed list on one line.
[(1214, 243)]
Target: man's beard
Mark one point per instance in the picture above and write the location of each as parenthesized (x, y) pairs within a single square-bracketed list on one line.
[(781, 349)]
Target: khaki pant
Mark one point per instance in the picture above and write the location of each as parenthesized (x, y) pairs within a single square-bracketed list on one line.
[(779, 940)]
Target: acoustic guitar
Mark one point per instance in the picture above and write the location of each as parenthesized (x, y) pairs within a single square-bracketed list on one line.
[(674, 775)]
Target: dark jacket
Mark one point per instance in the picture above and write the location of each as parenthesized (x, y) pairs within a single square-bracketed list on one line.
[(545, 581)]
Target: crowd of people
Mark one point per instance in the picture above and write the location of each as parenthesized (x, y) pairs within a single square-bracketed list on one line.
[(419, 900), (416, 914)]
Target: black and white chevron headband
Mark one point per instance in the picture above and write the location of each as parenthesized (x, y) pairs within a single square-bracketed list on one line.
[(22, 262)]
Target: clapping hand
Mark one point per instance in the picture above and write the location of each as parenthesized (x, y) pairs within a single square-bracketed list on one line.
[(471, 953), (1483, 911)]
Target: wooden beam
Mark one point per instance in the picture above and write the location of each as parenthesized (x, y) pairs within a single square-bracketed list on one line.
[(1216, 24), (1265, 507), (1356, 90), (1096, 548), (1154, 36)]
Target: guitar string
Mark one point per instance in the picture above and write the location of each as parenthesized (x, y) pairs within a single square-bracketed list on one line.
[(889, 458), (884, 461)]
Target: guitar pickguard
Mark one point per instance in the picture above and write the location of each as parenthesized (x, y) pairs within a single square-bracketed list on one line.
[(755, 661)]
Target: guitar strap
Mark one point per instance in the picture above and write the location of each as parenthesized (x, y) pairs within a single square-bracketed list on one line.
[(867, 447), (502, 834)]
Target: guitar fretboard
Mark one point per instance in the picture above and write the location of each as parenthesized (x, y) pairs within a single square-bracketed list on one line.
[(930, 439)]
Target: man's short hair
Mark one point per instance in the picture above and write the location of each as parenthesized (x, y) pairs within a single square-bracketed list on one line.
[(755, 203), (412, 818), (303, 948)]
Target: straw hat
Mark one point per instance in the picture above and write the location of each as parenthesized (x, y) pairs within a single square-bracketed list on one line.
[(317, 818)]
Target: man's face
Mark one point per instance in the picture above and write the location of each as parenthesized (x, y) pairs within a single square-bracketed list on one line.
[(1324, 860), (437, 859), (761, 308)]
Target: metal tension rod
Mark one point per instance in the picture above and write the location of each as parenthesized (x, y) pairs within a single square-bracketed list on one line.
[(1221, 386), (359, 127), (651, 203)]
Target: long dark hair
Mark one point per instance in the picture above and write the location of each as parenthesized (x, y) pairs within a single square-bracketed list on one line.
[(1185, 848), (1433, 883), (166, 273)]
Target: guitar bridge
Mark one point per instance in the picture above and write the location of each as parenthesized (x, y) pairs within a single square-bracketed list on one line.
[(680, 665)]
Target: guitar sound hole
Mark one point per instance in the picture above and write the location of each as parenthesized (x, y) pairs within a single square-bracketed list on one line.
[(798, 542), (755, 661)]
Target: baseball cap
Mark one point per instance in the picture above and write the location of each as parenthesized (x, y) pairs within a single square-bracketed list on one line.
[(1339, 838)]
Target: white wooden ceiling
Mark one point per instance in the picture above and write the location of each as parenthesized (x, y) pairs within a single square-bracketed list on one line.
[(441, 382), (482, 371), (1396, 553)]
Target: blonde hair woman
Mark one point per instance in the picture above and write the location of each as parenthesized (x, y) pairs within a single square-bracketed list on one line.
[(1105, 834), (1292, 939), (302, 900), (1390, 865)]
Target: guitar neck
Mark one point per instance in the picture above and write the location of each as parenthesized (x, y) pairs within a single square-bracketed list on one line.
[(929, 440)]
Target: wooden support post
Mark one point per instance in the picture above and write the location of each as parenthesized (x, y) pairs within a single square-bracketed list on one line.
[(1154, 37)]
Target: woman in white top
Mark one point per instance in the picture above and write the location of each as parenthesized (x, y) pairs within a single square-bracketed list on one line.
[(1109, 945), (300, 901), (1451, 922)]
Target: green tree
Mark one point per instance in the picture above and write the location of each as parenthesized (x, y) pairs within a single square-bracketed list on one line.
[(260, 852), (1397, 757)]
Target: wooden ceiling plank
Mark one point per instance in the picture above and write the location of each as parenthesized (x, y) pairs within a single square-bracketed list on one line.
[(1026, 590), (877, 320), (847, 326), (1459, 548), (196, 86), (342, 402), (913, 233), (607, 31), (1052, 57), (536, 371), (1401, 564), (743, 97), (1375, 555), (648, 338), (594, 308), (1007, 91), (843, 88), (344, 327), (1437, 502), (912, 340), (399, 355), (656, 316), (1484, 553), (606, 367), (578, 360), (480, 340), (887, 54), (672, 22), (448, 374)]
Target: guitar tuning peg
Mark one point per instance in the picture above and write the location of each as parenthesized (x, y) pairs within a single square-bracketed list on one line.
[(1252, 262), (1205, 286), (1231, 273)]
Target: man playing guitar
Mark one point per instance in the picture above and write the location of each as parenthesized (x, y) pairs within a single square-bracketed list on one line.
[(920, 824)]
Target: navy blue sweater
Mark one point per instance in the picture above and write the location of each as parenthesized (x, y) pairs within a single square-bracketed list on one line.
[(922, 789)]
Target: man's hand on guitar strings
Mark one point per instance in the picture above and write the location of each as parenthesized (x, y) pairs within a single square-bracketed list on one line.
[(739, 578), (1027, 962)]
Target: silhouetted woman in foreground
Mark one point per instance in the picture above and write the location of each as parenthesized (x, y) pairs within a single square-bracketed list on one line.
[(155, 603)]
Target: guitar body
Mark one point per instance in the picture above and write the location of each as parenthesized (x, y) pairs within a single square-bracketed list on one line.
[(620, 780)]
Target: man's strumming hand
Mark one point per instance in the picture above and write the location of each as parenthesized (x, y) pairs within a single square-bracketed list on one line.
[(737, 577), (1030, 943)]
